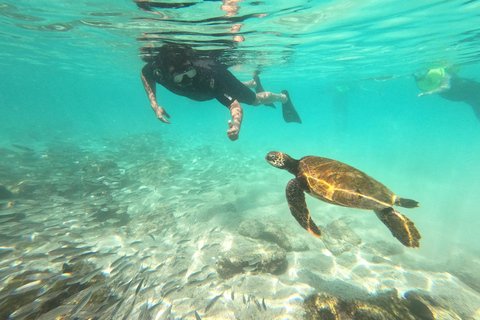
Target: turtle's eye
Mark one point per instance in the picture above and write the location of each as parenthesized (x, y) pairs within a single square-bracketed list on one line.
[(271, 157)]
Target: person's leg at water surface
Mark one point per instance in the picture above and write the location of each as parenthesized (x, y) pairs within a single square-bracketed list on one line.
[(471, 95), (267, 98), (475, 104), (476, 110)]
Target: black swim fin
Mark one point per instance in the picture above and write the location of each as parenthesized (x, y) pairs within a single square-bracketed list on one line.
[(289, 112), (259, 89)]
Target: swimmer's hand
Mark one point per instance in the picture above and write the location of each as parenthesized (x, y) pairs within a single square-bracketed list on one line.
[(160, 113), (233, 131), (425, 94)]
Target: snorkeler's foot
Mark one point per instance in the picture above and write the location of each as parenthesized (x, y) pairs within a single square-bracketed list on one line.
[(259, 89), (289, 112)]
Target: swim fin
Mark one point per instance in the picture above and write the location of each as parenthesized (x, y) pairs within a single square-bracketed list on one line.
[(289, 112), (259, 89)]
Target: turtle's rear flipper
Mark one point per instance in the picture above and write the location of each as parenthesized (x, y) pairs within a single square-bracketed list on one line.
[(259, 89), (289, 112), (298, 208), (401, 227), (406, 203)]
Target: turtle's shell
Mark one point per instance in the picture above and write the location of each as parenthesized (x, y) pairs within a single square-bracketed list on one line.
[(338, 183)]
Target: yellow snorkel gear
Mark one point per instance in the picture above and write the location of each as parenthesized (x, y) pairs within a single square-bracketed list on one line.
[(431, 80)]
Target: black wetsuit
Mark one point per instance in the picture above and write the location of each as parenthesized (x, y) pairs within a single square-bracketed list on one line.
[(464, 90), (212, 81)]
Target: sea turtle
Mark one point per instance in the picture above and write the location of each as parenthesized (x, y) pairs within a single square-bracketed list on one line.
[(338, 183)]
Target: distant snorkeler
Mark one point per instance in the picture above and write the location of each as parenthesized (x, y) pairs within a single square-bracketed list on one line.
[(446, 83), (186, 72)]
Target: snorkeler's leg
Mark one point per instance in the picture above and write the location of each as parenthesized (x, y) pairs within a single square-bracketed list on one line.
[(472, 97), (289, 112), (250, 84), (476, 109), (259, 88), (256, 84), (265, 97)]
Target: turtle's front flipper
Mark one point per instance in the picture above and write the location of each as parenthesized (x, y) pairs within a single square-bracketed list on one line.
[(298, 208), (401, 227)]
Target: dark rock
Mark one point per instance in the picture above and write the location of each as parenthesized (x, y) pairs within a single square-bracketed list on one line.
[(321, 306), (382, 306), (367, 314), (418, 307), (426, 306)]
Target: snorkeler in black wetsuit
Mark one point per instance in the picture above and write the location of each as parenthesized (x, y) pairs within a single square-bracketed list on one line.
[(451, 87), (182, 71)]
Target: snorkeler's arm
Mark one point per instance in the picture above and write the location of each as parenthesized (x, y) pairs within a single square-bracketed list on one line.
[(150, 88), (444, 86), (234, 125)]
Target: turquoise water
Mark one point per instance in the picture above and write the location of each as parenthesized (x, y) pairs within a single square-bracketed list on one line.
[(71, 92)]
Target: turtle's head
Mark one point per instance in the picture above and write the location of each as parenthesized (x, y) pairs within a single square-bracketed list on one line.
[(282, 161)]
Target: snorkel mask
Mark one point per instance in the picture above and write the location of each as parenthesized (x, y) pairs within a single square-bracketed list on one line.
[(176, 62), (178, 78), (430, 80)]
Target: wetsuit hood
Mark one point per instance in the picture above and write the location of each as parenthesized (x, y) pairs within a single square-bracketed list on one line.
[(173, 61)]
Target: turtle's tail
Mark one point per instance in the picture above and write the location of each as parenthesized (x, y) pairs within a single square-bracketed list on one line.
[(406, 203)]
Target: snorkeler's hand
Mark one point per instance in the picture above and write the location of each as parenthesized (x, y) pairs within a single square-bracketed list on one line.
[(424, 94), (233, 131), (160, 113)]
